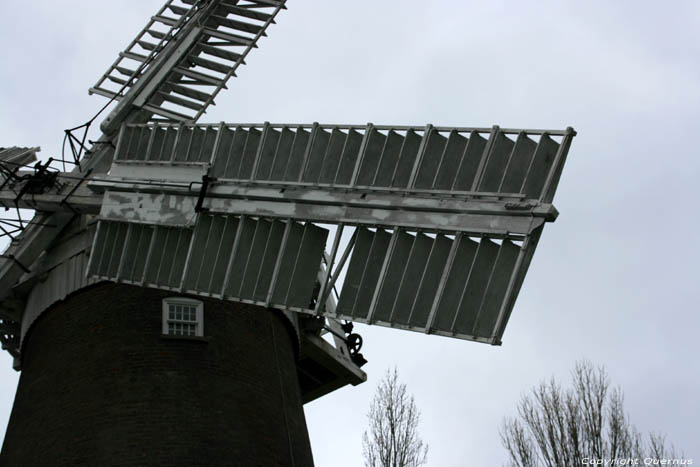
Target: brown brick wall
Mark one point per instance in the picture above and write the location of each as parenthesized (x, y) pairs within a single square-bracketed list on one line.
[(100, 386)]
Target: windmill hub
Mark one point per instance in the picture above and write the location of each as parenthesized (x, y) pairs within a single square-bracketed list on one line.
[(190, 281)]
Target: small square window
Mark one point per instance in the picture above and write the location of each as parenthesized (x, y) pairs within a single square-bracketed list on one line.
[(183, 317)]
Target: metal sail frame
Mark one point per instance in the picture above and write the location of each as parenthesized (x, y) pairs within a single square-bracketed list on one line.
[(178, 64), (445, 220), (460, 209)]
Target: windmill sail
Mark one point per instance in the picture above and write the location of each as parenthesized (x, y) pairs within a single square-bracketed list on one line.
[(452, 285), (496, 162), (202, 42), (237, 258), (446, 220)]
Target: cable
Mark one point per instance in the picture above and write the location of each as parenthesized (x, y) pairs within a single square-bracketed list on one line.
[(151, 57)]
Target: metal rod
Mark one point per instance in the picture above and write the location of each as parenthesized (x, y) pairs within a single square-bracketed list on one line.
[(176, 142), (361, 154), (555, 172), (199, 151), (162, 143), (228, 151), (321, 300), (524, 265), (149, 146), (443, 281), (532, 162), (342, 156), (381, 157), (264, 256), (188, 258), (307, 152), (129, 229), (511, 285), (115, 228), (278, 263), (258, 154), (470, 141), (180, 234), (433, 247), (466, 284), (296, 263), (189, 144), (234, 248), (419, 156), (325, 154), (131, 139), (117, 150), (210, 220), (149, 254), (248, 259), (486, 290), (518, 140), (364, 269), (291, 153), (382, 274), (342, 261), (239, 175), (164, 254), (143, 134), (217, 143), (495, 131), (442, 158), (277, 150), (403, 276), (140, 229), (93, 256), (218, 253), (398, 161)]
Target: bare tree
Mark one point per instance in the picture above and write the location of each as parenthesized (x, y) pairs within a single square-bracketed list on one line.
[(392, 439), (560, 428)]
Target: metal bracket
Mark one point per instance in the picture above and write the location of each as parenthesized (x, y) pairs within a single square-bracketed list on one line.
[(203, 193)]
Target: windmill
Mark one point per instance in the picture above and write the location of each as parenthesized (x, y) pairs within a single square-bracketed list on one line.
[(205, 228)]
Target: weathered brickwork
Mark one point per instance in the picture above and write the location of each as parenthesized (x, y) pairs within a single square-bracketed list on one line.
[(100, 386)]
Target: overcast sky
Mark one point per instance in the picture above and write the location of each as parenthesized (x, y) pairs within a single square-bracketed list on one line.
[(615, 278)]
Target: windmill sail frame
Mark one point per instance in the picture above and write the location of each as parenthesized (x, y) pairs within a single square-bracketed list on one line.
[(444, 220), (177, 65), (424, 256)]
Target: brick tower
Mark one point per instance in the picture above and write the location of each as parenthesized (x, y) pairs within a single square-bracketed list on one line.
[(102, 385), (187, 287)]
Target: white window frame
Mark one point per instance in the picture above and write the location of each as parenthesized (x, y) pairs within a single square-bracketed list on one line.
[(198, 304)]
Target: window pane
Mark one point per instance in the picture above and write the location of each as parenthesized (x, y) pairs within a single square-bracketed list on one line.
[(181, 318)]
